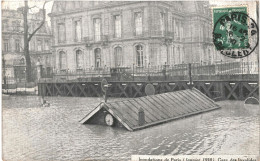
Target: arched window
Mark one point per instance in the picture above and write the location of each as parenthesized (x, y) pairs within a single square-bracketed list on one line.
[(79, 59), (97, 53), (118, 56), (63, 61), (139, 55)]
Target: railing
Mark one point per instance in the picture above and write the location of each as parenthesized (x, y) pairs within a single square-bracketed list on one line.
[(161, 71), (13, 85), (68, 74)]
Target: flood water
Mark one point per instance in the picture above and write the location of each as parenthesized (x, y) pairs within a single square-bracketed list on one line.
[(31, 132)]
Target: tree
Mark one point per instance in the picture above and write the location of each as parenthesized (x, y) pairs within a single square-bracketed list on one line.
[(28, 37)]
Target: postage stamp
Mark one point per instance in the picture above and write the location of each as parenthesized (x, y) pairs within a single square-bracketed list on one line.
[(235, 34)]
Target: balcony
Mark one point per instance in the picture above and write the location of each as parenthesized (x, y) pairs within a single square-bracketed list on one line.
[(158, 34), (102, 39), (177, 38), (105, 39)]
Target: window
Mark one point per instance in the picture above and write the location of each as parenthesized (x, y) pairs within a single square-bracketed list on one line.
[(204, 32), (77, 27), (79, 59), (22, 61), (173, 26), (5, 25), (6, 45), (181, 30), (139, 55), (96, 3), (39, 45), (179, 54), (173, 55), (210, 57), (18, 25), (46, 45), (14, 25), (97, 29), (63, 61), (97, 53), (153, 57), (138, 23), (177, 29), (32, 45), (106, 26), (162, 21), (118, 57), (17, 45), (47, 60), (61, 32), (77, 4), (117, 26)]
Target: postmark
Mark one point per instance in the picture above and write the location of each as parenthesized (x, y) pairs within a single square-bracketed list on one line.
[(235, 34)]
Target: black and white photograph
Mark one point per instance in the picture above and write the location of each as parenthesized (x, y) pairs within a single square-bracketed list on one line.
[(158, 80)]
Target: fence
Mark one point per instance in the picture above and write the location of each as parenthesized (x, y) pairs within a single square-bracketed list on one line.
[(12, 86), (81, 73), (17, 84), (162, 72)]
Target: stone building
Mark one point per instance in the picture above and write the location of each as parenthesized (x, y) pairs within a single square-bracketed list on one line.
[(12, 44), (95, 34)]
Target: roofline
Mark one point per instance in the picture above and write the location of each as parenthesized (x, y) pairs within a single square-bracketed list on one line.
[(99, 107)]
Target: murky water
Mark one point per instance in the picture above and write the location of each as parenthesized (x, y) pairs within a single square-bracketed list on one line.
[(31, 132)]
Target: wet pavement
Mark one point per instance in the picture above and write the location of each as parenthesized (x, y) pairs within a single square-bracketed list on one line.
[(31, 132)]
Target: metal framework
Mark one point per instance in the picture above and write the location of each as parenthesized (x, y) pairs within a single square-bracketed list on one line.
[(234, 90)]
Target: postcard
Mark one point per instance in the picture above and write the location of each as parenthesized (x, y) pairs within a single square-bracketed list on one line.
[(130, 80)]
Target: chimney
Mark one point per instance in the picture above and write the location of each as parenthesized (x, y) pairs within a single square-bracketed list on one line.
[(141, 119)]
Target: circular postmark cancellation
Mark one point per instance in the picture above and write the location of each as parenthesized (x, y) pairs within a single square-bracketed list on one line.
[(235, 35)]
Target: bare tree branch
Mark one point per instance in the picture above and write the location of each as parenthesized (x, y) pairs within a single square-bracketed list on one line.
[(21, 48), (42, 23)]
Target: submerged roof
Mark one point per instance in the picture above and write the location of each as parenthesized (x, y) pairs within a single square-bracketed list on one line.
[(158, 108)]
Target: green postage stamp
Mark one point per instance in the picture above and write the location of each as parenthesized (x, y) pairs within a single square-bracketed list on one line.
[(233, 31)]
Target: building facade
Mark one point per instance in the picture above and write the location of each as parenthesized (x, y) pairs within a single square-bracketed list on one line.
[(94, 34), (12, 44)]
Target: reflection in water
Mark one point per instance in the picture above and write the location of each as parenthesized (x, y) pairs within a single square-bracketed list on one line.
[(31, 132)]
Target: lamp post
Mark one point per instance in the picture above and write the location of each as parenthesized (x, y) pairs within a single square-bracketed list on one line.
[(3, 61), (164, 71), (149, 72), (242, 67), (133, 71)]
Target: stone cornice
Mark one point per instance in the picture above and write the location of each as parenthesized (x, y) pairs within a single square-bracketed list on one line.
[(118, 40), (12, 33), (92, 8)]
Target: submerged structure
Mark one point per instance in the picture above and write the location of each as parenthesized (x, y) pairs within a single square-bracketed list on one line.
[(138, 113)]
